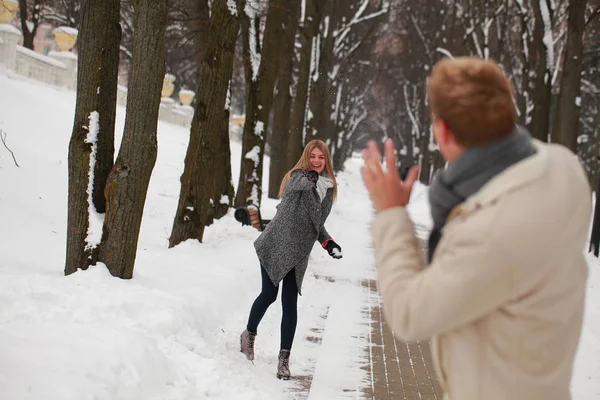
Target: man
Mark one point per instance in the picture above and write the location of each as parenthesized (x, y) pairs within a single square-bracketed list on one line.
[(502, 297)]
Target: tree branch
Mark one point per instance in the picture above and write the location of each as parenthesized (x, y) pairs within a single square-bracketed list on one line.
[(593, 16), (3, 138)]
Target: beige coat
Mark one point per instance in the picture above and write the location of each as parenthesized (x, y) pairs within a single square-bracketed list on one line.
[(503, 297)]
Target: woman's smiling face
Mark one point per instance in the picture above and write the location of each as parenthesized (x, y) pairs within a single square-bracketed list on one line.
[(317, 160)]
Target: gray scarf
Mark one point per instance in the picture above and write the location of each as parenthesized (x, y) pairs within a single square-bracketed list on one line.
[(469, 173)]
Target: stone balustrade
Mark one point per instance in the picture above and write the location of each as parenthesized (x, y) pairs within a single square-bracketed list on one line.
[(59, 68)]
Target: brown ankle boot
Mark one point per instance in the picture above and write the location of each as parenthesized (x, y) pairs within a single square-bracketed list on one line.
[(283, 366), (247, 344)]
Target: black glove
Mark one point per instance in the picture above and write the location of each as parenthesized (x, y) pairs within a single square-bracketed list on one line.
[(334, 249), (242, 215), (312, 176)]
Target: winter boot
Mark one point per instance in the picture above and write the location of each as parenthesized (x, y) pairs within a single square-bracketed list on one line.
[(247, 344), (283, 366)]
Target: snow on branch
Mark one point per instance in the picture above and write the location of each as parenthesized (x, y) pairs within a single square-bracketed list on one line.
[(411, 116), (547, 39), (232, 7), (252, 11), (418, 29), (341, 34), (445, 52)]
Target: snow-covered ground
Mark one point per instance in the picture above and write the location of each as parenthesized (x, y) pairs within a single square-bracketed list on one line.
[(172, 332)]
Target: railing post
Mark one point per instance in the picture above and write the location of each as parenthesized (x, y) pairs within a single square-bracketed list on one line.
[(9, 37)]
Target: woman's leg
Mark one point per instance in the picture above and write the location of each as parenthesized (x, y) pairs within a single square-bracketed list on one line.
[(267, 296), (289, 303)]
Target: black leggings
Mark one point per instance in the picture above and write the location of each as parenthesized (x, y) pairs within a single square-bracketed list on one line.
[(289, 302)]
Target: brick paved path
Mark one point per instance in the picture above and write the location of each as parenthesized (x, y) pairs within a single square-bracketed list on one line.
[(397, 370)]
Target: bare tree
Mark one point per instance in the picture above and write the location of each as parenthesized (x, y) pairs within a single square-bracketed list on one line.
[(566, 126), (261, 62), (30, 13), (91, 148), (206, 180), (128, 180), (309, 27), (282, 103)]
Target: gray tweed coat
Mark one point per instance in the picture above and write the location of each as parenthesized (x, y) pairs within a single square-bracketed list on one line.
[(288, 239)]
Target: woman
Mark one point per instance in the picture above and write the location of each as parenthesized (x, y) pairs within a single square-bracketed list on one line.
[(307, 193)]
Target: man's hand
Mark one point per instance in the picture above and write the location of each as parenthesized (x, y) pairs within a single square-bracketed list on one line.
[(385, 187)]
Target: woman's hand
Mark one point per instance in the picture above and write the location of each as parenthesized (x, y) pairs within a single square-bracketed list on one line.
[(386, 188), (333, 249), (312, 175)]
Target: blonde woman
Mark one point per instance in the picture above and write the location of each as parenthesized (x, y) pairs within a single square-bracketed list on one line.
[(307, 193)]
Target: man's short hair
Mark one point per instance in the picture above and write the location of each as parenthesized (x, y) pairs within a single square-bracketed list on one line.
[(474, 98)]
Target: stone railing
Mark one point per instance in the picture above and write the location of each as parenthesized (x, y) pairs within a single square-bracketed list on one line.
[(59, 68)]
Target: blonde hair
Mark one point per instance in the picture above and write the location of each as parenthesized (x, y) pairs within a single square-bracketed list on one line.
[(304, 164), (474, 99)]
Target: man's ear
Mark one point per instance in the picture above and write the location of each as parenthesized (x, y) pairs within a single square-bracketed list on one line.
[(444, 131)]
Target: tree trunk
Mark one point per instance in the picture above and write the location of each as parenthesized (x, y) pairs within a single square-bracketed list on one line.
[(542, 80), (98, 62), (523, 94), (319, 104), (29, 35), (283, 102), (207, 174), (200, 25), (595, 236), (566, 126), (595, 173), (259, 86), (127, 183), (307, 32)]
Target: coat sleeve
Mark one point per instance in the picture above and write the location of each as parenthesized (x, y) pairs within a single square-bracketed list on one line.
[(323, 234), (299, 181), (465, 281)]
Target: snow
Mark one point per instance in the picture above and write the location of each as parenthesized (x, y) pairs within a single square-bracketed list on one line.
[(40, 57), (445, 52), (525, 45), (315, 58), (252, 10), (547, 39), (69, 55), (10, 29), (578, 101), (253, 155), (228, 98), (67, 30), (232, 7), (259, 128), (172, 332), (95, 220)]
